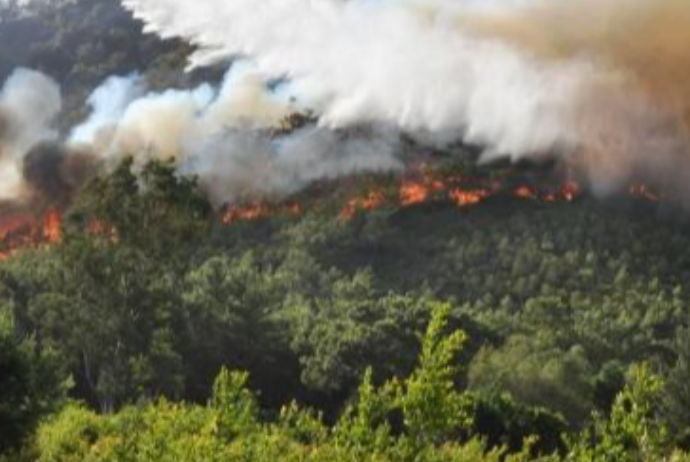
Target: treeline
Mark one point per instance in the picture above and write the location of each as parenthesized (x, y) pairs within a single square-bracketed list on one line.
[(575, 322)]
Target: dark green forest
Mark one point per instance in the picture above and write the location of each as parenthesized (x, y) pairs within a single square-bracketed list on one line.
[(512, 329)]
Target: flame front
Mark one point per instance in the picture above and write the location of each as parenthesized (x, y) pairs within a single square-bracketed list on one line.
[(245, 213), (258, 210), (373, 200), (52, 227), (21, 231), (25, 231)]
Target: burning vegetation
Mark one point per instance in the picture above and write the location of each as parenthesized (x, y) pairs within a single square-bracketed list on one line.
[(418, 186), (422, 185), (22, 231)]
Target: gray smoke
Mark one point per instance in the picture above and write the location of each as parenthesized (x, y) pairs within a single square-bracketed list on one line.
[(241, 163)]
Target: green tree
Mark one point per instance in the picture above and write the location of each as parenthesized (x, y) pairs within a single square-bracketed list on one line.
[(31, 384), (677, 397), (232, 317), (633, 431), (338, 335)]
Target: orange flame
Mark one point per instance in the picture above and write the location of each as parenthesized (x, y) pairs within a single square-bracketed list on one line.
[(413, 193), (526, 192), (374, 199), (467, 198), (52, 227), (570, 191), (245, 213), (22, 231)]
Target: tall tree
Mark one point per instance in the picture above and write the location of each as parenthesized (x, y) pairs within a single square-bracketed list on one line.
[(31, 384)]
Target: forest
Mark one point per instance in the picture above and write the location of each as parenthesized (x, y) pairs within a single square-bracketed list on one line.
[(513, 329), (347, 322)]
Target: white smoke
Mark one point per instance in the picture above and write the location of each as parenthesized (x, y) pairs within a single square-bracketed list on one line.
[(602, 83), (512, 76), (225, 136), (29, 104), (108, 104), (363, 61), (233, 137), (175, 123)]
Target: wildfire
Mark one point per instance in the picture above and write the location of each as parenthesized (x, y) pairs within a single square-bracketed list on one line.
[(462, 191), (413, 193), (526, 192), (466, 192), (52, 227), (570, 191), (22, 231), (642, 191), (373, 200), (257, 211), (245, 213), (467, 198)]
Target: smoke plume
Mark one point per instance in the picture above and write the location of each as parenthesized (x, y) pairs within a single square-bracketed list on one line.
[(29, 103), (226, 136), (598, 84), (602, 83), (233, 137)]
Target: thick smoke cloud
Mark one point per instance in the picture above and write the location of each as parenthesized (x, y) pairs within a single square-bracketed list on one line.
[(52, 173), (226, 136), (234, 137), (29, 104), (602, 83)]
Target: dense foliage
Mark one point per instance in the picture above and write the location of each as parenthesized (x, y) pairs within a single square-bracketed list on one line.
[(421, 418), (149, 295), (30, 384)]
